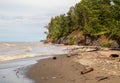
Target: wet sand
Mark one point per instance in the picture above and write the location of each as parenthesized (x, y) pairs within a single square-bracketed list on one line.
[(14, 71), (68, 70)]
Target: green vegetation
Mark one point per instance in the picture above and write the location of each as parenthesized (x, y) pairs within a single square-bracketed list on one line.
[(105, 44), (91, 17)]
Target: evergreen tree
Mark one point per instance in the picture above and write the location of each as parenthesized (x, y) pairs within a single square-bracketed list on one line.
[(92, 17)]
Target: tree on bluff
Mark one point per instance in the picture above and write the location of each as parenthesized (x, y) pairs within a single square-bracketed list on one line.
[(93, 17)]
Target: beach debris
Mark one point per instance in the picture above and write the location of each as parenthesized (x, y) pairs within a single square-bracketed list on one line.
[(54, 58), (73, 80), (17, 74), (78, 49), (42, 78), (54, 77), (69, 55), (115, 49), (91, 49), (118, 60), (87, 70), (72, 51), (114, 55), (100, 78)]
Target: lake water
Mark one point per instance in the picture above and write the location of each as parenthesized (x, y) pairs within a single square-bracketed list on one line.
[(22, 33), (15, 57), (11, 51)]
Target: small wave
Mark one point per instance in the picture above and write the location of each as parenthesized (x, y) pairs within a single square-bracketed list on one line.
[(28, 49), (6, 58), (9, 45)]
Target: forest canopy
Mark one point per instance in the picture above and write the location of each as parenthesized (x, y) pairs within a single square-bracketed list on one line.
[(94, 18)]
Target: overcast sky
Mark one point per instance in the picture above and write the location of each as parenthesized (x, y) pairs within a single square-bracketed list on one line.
[(31, 12)]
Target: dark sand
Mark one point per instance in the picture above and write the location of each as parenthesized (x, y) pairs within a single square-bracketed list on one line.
[(61, 70), (66, 70)]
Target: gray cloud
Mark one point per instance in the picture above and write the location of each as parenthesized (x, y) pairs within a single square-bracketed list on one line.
[(23, 20), (31, 11)]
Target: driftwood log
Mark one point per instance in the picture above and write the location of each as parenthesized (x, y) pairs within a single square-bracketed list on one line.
[(77, 49), (87, 70)]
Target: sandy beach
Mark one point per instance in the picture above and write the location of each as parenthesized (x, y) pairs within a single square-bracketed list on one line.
[(61, 69), (68, 69)]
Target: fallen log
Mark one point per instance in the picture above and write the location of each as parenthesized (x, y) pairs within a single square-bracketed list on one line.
[(87, 70), (101, 78), (115, 49), (114, 55)]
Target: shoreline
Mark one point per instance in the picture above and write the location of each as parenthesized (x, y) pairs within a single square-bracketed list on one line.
[(16, 57), (14, 71), (65, 69)]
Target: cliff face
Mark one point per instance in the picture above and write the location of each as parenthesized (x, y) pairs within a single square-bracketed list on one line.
[(78, 38)]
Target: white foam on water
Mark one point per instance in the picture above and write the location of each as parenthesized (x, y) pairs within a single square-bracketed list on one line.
[(14, 56), (14, 71), (22, 56), (9, 45), (12, 51), (6, 58)]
